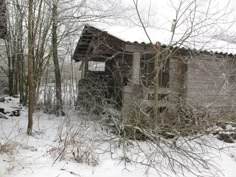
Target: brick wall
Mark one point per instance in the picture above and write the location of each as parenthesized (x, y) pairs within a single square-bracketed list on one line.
[(211, 82)]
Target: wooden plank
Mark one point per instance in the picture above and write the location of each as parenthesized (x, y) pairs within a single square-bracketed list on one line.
[(160, 91), (142, 48)]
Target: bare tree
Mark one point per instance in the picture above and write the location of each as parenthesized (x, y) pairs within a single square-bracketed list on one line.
[(30, 68), (55, 58), (15, 45), (3, 20), (20, 53)]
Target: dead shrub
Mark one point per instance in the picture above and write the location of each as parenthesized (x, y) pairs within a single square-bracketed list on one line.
[(76, 143), (7, 148), (86, 156), (170, 140), (181, 120)]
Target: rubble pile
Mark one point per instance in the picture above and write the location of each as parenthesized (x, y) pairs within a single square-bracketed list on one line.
[(9, 108), (225, 131)]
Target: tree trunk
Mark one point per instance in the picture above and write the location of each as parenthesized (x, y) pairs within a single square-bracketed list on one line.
[(55, 61), (10, 76), (30, 69), (21, 54)]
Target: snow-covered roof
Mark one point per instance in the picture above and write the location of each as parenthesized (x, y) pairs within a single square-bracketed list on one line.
[(137, 34)]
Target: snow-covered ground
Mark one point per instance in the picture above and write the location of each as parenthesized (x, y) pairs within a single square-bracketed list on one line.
[(73, 146)]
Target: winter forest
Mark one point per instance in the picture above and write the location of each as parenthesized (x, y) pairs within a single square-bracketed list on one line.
[(110, 88)]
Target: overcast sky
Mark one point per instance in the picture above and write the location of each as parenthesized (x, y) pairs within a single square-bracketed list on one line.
[(158, 15)]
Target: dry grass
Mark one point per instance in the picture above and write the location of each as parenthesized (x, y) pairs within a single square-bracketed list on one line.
[(76, 142)]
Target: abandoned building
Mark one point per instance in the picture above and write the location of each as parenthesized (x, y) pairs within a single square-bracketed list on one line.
[(117, 69)]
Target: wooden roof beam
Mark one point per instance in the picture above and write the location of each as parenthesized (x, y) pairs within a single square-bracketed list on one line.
[(142, 48)]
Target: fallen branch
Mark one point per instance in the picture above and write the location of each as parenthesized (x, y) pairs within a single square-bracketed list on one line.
[(3, 116)]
